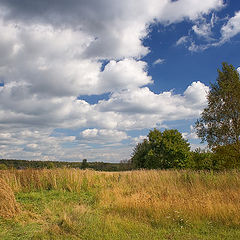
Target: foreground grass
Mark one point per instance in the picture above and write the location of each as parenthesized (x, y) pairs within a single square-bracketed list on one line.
[(75, 204)]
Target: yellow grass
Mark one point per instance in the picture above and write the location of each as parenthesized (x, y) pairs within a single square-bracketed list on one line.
[(8, 205), (153, 195)]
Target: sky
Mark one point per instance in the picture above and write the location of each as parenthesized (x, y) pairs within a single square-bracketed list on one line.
[(90, 78)]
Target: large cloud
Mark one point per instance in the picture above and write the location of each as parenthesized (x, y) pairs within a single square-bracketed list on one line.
[(116, 27), (53, 52), (166, 105)]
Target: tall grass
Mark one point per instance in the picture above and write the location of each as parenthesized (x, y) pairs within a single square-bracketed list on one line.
[(8, 204), (153, 196)]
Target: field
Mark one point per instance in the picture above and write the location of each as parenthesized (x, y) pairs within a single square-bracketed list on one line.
[(84, 204)]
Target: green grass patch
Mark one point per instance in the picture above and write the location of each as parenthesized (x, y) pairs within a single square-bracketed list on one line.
[(67, 215)]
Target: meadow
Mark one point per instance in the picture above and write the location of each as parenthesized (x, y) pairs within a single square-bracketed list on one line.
[(145, 204)]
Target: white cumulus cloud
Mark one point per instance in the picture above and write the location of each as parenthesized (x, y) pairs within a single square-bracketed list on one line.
[(231, 28)]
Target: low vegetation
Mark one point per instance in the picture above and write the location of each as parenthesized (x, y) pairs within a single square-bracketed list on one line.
[(146, 204), (8, 205), (99, 166)]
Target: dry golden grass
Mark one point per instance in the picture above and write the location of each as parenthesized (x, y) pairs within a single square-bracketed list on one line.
[(8, 204), (156, 196), (176, 196)]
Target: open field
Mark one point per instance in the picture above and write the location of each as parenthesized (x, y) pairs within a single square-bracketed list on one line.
[(84, 204)]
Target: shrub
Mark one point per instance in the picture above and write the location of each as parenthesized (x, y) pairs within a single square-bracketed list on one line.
[(201, 160), (3, 166)]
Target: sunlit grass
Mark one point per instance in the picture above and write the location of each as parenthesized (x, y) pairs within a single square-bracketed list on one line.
[(77, 204)]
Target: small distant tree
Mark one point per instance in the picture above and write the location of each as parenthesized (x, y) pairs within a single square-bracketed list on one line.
[(84, 163)]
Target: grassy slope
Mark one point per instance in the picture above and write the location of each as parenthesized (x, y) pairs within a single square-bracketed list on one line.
[(73, 204)]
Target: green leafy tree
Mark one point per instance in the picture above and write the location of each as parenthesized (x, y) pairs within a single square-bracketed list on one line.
[(169, 149), (163, 150), (219, 124)]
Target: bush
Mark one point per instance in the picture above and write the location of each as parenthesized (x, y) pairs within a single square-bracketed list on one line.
[(200, 160), (226, 157), (3, 166)]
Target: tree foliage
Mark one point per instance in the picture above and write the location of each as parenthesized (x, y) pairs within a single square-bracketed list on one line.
[(140, 152), (219, 124), (162, 150), (201, 160)]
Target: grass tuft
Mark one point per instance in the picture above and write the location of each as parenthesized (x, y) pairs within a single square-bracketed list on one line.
[(8, 205)]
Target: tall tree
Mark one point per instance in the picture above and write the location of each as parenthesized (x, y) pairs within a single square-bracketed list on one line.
[(219, 124)]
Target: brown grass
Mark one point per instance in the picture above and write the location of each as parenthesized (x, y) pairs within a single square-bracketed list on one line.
[(156, 196), (8, 205)]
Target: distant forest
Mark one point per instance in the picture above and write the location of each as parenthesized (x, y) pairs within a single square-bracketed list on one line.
[(99, 166)]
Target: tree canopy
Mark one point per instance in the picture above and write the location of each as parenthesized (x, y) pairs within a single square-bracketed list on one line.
[(167, 149)]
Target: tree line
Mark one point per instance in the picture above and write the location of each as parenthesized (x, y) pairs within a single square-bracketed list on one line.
[(84, 164)]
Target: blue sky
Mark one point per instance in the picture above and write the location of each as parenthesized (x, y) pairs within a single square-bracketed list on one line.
[(90, 79)]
